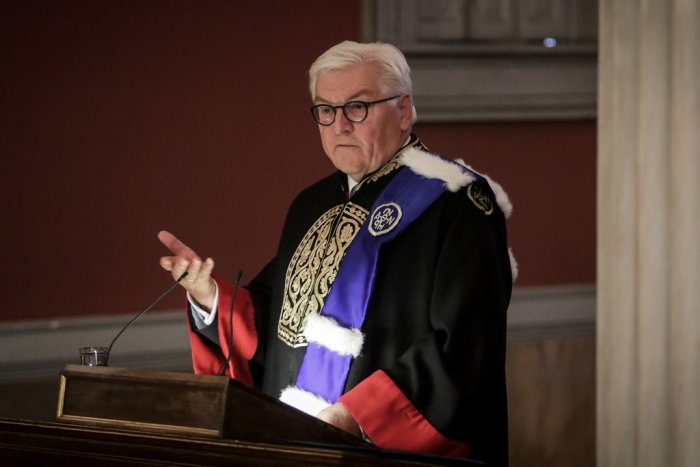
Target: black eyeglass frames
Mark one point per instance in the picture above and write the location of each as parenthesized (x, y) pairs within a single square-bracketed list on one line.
[(355, 111)]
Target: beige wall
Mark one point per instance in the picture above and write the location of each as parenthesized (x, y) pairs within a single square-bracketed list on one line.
[(648, 234), (551, 401)]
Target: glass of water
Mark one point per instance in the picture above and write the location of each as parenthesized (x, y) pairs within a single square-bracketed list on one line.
[(93, 356)]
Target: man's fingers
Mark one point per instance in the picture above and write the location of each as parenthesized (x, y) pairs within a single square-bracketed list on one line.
[(198, 281), (180, 265), (199, 271), (207, 267), (166, 262), (193, 271), (166, 238), (175, 246)]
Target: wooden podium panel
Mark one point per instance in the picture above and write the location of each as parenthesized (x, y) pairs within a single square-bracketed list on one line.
[(24, 443), (116, 416), (155, 401), (184, 403)]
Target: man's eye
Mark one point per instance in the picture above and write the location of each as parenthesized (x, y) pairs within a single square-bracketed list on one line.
[(325, 110), (353, 106)]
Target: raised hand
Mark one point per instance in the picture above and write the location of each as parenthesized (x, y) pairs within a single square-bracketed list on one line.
[(198, 282)]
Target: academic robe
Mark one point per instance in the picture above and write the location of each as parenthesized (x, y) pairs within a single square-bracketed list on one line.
[(431, 374)]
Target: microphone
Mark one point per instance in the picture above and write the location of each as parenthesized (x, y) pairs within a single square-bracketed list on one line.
[(222, 371), (166, 292)]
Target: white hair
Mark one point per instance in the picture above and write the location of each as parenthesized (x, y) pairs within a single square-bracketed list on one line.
[(395, 74)]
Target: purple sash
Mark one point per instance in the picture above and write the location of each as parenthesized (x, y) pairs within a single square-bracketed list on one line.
[(323, 371)]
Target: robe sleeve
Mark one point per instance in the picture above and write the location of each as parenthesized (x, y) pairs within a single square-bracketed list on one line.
[(208, 358), (392, 421)]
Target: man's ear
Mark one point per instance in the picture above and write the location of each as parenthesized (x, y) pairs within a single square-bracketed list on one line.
[(406, 108)]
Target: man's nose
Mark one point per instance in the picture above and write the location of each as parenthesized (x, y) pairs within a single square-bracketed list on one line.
[(341, 123)]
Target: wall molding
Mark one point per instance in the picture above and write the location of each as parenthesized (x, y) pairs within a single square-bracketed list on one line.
[(38, 350), (552, 312), (493, 60)]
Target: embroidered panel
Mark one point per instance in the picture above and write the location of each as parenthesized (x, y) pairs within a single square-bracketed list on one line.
[(389, 167), (313, 268)]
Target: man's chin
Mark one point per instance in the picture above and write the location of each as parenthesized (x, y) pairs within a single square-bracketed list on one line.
[(354, 173), (349, 165)]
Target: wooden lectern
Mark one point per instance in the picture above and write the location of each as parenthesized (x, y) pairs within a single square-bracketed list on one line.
[(115, 417), (183, 403)]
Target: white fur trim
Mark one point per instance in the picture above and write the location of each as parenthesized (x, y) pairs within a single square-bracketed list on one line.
[(431, 166), (502, 198), (514, 271), (326, 331), (302, 400)]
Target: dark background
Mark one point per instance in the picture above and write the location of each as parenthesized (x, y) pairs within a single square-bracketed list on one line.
[(122, 118)]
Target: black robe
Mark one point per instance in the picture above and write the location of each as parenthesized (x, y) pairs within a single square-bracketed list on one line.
[(436, 321)]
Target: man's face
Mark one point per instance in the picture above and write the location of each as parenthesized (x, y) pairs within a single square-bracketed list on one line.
[(361, 148)]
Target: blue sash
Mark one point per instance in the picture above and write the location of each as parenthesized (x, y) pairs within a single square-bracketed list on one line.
[(323, 371)]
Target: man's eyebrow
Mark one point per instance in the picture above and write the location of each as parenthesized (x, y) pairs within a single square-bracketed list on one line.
[(354, 97)]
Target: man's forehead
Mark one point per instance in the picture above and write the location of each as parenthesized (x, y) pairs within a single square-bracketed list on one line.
[(338, 86)]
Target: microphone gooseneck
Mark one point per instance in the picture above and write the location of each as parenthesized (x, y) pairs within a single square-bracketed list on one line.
[(222, 371), (166, 292)]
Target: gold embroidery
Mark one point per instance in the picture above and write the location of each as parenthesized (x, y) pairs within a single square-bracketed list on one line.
[(313, 268), (389, 167), (386, 169)]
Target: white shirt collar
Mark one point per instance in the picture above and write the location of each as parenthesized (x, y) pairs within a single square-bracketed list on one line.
[(351, 184)]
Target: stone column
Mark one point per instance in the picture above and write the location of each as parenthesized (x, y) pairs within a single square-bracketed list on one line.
[(648, 323)]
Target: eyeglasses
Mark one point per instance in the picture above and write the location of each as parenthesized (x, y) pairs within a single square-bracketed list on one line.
[(355, 111)]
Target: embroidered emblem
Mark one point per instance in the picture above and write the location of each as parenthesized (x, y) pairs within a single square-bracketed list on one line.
[(384, 219), (313, 268), (480, 199)]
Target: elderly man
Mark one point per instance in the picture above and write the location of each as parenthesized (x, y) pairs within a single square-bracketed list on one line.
[(384, 309)]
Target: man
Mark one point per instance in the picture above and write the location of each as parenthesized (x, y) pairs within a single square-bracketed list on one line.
[(384, 310)]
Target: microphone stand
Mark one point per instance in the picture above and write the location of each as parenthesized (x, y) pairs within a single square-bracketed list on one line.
[(166, 292)]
